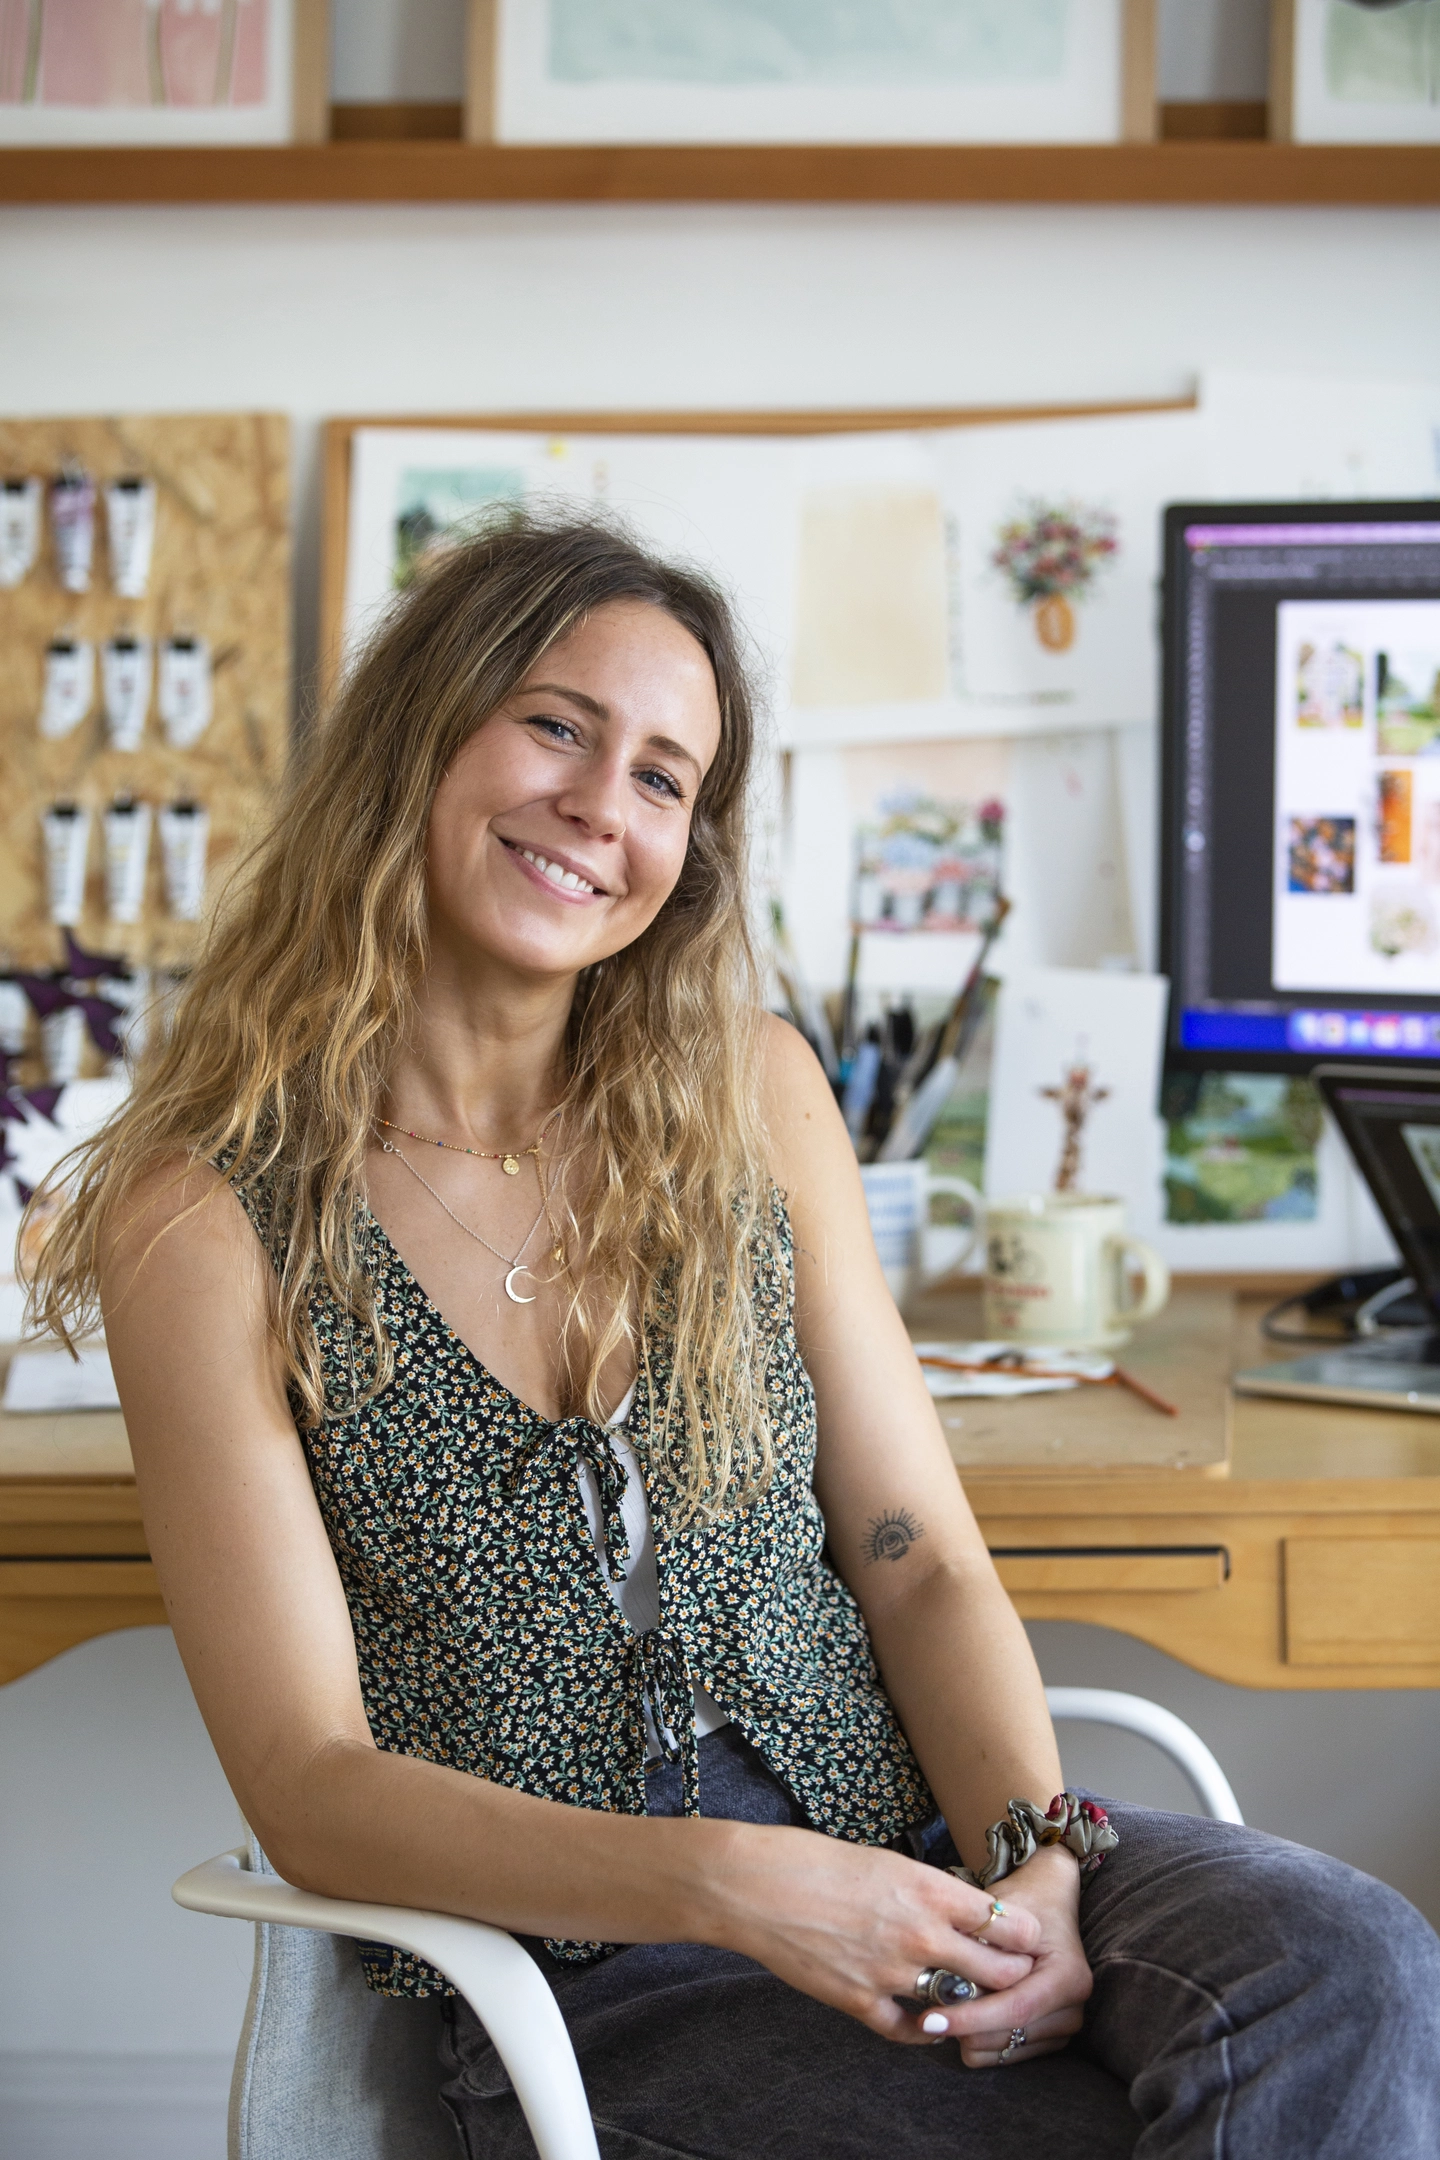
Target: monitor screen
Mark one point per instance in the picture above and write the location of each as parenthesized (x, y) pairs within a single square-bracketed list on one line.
[(1300, 904)]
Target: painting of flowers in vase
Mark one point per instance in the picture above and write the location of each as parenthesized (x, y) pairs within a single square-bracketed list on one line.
[(1050, 554)]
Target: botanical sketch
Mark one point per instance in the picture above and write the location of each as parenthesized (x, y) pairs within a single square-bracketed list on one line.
[(164, 53), (1049, 554), (808, 41), (1387, 55)]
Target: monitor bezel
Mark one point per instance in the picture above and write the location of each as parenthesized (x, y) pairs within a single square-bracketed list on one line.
[(1330, 1079), (1175, 557)]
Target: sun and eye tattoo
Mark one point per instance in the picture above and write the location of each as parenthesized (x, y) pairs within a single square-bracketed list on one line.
[(891, 1535)]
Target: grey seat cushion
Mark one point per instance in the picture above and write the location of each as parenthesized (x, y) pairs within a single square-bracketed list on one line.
[(328, 2070)]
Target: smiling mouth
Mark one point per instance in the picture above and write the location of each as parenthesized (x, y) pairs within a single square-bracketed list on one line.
[(556, 873)]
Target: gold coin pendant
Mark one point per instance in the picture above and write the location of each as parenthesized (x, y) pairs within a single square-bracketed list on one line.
[(511, 1166)]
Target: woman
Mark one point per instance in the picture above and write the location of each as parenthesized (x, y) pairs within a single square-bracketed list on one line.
[(484, 1484)]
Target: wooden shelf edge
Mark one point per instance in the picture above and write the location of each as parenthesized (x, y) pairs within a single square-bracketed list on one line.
[(417, 171)]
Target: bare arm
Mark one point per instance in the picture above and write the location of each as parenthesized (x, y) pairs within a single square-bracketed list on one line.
[(260, 1618), (953, 1654)]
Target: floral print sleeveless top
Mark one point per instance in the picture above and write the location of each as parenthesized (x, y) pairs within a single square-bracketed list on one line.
[(486, 1637)]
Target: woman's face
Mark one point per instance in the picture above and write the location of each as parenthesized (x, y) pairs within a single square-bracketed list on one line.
[(560, 827)]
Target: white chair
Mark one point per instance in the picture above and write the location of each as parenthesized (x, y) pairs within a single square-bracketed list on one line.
[(328, 2070)]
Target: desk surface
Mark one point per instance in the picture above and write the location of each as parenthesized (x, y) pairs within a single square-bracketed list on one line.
[(1315, 1562)]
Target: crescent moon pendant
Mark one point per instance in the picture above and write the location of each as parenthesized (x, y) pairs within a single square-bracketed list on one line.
[(512, 1293)]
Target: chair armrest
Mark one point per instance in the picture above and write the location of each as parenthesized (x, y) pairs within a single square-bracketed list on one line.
[(1133, 1713), (504, 1986)]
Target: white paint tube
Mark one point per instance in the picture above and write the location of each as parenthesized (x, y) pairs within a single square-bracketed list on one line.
[(130, 533), (125, 671), (62, 1044), (14, 1018), (127, 852), (72, 524), (69, 685), (184, 839), (67, 844), (185, 690), (19, 531)]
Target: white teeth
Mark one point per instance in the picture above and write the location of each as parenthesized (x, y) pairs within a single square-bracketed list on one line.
[(567, 879)]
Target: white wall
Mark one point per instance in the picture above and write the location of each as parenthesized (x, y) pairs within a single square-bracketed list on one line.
[(321, 310)]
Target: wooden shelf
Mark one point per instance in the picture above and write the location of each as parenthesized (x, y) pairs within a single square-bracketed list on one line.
[(439, 171)]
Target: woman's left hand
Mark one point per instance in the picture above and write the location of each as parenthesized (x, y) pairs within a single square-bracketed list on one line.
[(1049, 2002)]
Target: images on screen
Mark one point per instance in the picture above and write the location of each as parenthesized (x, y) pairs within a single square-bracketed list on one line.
[(1356, 905)]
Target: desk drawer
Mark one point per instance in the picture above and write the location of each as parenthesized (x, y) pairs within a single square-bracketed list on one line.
[(1111, 1567), (1362, 1601), (47, 1606)]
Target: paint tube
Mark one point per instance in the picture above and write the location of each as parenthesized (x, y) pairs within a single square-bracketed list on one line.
[(127, 852), (19, 531), (72, 524), (67, 844), (14, 1017), (185, 690), (62, 1044), (69, 686), (184, 838), (130, 532), (125, 667)]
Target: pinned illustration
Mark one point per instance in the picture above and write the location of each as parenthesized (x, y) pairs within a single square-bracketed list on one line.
[(184, 841), (127, 852), (19, 531), (14, 1018), (69, 686), (125, 673), (130, 534), (72, 524), (185, 690), (1051, 556), (67, 844)]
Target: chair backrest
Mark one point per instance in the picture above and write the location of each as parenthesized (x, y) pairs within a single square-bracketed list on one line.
[(327, 2069)]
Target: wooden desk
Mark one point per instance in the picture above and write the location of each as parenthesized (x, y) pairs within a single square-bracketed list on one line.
[(1314, 1564)]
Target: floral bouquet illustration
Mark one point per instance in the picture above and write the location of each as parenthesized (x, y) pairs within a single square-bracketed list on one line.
[(1050, 555)]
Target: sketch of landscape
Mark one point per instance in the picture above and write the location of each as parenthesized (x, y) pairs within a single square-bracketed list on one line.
[(808, 41)]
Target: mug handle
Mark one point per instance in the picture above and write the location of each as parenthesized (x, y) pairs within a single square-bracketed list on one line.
[(945, 1182), (1156, 1289)]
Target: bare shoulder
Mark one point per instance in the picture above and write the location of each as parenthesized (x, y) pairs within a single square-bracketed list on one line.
[(797, 1102), (181, 1235)]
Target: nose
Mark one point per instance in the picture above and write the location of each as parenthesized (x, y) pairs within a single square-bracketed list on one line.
[(593, 797)]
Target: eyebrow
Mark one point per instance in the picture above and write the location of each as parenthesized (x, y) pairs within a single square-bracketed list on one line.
[(665, 743)]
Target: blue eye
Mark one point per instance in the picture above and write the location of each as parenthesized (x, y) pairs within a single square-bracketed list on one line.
[(662, 781)]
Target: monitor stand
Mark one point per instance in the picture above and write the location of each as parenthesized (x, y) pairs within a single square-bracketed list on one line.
[(1399, 1370)]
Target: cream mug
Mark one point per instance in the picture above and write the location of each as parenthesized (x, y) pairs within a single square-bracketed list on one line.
[(1058, 1269), (914, 1252)]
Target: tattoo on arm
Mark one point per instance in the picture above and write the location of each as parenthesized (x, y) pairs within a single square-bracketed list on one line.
[(891, 1535)]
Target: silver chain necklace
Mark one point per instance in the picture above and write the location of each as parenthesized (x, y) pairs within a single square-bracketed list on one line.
[(388, 1148)]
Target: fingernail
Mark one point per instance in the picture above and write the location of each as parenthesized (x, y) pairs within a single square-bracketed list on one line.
[(935, 2022)]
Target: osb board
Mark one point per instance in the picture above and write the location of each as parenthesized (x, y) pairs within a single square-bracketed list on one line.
[(1184, 1354), (220, 570)]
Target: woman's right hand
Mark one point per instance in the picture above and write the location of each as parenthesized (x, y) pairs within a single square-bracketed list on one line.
[(854, 1925)]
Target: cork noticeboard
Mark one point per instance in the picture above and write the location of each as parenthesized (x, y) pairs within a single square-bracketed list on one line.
[(220, 571)]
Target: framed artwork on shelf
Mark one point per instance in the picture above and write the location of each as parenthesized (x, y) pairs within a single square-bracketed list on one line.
[(1356, 71), (833, 71), (164, 71)]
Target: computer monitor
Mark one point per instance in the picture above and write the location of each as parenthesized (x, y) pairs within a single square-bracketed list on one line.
[(1300, 902)]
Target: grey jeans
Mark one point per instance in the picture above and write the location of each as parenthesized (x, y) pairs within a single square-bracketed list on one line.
[(1253, 2001)]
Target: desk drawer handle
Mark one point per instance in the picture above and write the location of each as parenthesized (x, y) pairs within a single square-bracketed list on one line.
[(1111, 1567)]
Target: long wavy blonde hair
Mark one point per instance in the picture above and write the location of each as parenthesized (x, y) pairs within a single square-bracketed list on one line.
[(284, 1035)]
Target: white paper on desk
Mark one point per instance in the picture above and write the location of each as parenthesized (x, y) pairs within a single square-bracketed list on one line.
[(52, 1380), (1055, 1378)]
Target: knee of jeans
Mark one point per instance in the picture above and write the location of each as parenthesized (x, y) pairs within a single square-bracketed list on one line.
[(1357, 1930)]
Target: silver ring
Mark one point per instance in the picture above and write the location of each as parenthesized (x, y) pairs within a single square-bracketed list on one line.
[(1016, 2040), (944, 1988)]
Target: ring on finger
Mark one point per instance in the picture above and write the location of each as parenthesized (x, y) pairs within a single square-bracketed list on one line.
[(938, 1985), (1014, 2043)]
